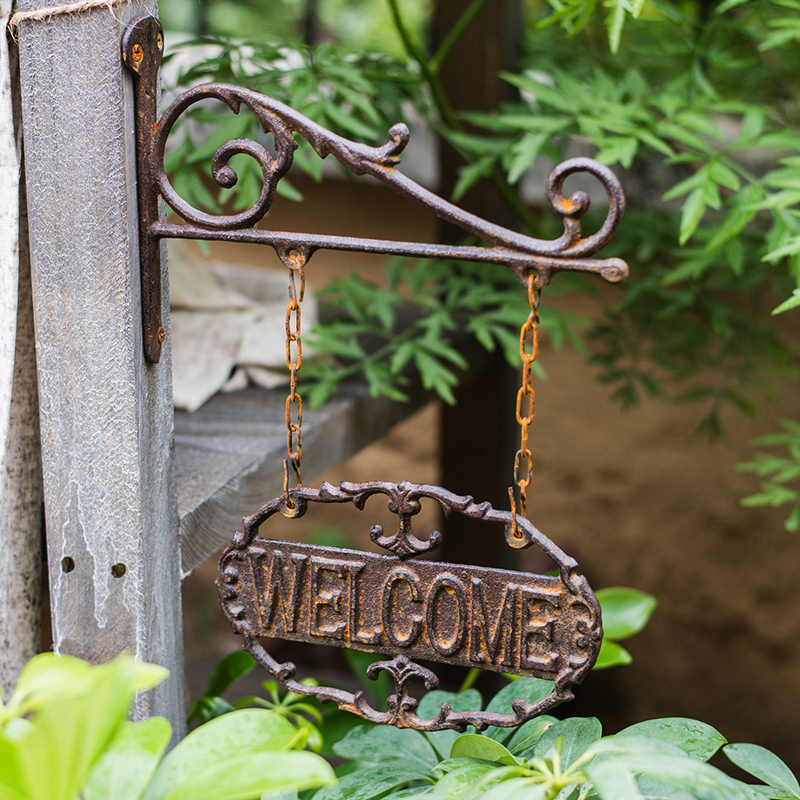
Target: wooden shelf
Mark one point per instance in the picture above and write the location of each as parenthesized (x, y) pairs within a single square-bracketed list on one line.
[(229, 455)]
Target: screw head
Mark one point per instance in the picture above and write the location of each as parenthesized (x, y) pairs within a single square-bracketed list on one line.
[(160, 335), (137, 51), (160, 41)]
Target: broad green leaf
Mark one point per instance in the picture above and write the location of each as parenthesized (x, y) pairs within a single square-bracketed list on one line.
[(696, 738), (652, 789), (612, 781), (429, 706), (524, 738), (385, 744), (375, 781), (248, 732), (12, 781), (625, 611), (458, 780), (667, 762), (515, 789), (612, 655), (126, 768), (764, 765), (246, 776), (473, 745), (578, 734), (531, 690), (69, 735)]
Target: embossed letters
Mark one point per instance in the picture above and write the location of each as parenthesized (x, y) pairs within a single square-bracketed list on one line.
[(495, 619)]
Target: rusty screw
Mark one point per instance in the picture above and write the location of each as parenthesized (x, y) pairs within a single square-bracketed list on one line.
[(159, 42), (160, 335), (137, 52)]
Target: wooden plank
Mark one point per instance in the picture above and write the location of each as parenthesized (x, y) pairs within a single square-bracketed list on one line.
[(106, 414), (20, 462), (229, 455)]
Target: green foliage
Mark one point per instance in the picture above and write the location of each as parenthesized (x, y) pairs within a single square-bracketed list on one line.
[(547, 758), (384, 333), (625, 612), (64, 733), (781, 471)]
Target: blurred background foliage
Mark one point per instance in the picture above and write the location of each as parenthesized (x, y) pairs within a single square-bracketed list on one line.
[(695, 103)]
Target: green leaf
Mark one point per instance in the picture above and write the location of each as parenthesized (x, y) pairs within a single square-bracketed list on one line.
[(694, 208), (625, 611), (516, 789), (612, 655), (531, 690), (126, 768), (462, 775), (522, 154), (469, 700), (578, 734), (696, 738), (241, 733), (764, 765), (786, 305), (524, 739), (375, 781), (234, 666), (612, 781), (473, 745), (70, 733), (203, 709), (229, 774), (666, 762), (620, 150), (384, 744)]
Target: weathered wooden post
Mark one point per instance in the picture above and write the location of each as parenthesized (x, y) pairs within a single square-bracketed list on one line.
[(106, 413), (20, 465)]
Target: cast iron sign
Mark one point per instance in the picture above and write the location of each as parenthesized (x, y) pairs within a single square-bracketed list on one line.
[(397, 605)]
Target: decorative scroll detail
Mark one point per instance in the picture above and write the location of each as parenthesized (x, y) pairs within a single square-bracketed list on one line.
[(270, 588), (142, 53)]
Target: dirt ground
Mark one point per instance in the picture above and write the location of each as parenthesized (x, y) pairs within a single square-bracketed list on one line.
[(634, 497)]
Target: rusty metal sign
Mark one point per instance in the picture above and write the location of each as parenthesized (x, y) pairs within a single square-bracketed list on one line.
[(511, 622), (394, 605)]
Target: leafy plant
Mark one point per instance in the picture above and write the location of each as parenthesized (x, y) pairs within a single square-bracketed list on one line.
[(64, 734), (547, 758), (783, 471)]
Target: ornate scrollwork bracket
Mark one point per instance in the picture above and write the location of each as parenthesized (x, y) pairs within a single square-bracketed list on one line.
[(142, 48)]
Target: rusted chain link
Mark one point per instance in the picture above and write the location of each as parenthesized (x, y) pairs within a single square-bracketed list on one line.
[(294, 360), (526, 396)]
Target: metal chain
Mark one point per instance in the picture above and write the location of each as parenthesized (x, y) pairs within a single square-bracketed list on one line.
[(294, 360), (523, 461)]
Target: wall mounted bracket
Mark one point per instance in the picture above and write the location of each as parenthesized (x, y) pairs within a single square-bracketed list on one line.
[(142, 49)]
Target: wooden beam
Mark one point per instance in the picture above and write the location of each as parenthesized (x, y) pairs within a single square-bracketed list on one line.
[(230, 455), (106, 414)]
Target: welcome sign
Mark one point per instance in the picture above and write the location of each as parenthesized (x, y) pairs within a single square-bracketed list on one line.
[(500, 620)]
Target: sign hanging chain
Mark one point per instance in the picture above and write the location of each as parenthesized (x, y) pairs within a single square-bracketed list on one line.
[(294, 360), (523, 461)]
